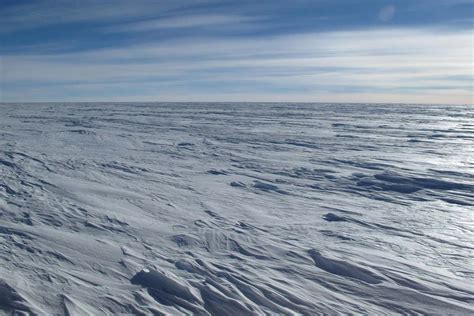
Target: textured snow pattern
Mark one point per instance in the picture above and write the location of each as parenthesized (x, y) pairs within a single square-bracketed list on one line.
[(236, 209)]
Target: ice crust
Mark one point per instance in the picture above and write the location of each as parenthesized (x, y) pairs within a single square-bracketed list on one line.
[(236, 209)]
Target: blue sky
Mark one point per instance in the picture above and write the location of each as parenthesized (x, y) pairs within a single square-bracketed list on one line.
[(403, 51)]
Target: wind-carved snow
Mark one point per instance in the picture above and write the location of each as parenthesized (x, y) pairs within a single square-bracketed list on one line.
[(236, 209)]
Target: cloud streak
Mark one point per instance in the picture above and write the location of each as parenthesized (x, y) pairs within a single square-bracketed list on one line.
[(180, 22), (389, 64)]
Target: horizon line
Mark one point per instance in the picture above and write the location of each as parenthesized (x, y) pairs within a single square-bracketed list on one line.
[(254, 102)]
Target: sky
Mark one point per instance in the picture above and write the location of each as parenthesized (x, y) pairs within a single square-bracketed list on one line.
[(406, 51)]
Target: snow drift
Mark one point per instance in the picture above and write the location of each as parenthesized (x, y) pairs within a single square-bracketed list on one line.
[(237, 209)]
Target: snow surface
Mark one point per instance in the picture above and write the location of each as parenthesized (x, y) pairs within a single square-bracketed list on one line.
[(236, 209)]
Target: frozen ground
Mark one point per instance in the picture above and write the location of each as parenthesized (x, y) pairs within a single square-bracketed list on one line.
[(236, 209)]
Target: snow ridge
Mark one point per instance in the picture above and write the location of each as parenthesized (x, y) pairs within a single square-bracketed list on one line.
[(236, 209)]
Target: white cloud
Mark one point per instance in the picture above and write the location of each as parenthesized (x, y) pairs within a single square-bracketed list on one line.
[(399, 64)]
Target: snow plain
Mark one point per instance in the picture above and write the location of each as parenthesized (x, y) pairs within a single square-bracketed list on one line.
[(236, 209)]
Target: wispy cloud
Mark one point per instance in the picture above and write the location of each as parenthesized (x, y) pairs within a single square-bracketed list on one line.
[(45, 13), (212, 50), (186, 21), (368, 62)]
